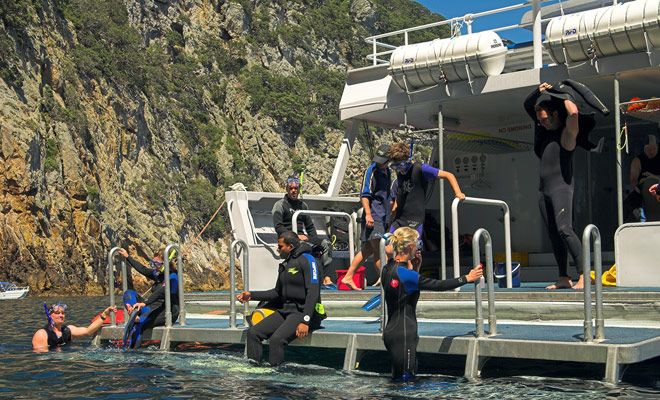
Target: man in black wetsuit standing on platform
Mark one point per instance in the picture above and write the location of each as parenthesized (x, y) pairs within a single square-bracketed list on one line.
[(297, 295), (555, 133)]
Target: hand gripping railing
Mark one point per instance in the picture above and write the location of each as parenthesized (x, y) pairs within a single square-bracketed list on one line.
[(476, 260), (383, 262), (168, 299), (507, 233), (592, 231), (232, 282), (351, 249), (111, 280)]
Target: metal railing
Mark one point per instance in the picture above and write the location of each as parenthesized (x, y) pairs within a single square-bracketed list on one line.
[(591, 231), (383, 262), (456, 23), (232, 281), (476, 259), (168, 299), (347, 216), (507, 233)]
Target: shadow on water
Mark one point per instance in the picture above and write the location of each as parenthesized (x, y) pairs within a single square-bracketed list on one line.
[(217, 371)]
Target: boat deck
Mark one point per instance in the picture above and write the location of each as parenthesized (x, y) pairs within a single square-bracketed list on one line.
[(626, 342)]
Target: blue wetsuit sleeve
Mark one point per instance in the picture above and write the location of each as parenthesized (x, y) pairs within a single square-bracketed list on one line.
[(174, 283), (409, 278), (312, 285), (440, 285), (429, 172), (366, 181)]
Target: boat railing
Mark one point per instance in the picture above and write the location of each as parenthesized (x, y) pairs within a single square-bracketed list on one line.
[(476, 258), (507, 232), (592, 232), (456, 23), (111, 280), (383, 262), (168, 300), (232, 281), (341, 214)]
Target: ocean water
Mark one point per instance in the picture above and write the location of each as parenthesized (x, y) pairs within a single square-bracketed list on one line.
[(84, 372)]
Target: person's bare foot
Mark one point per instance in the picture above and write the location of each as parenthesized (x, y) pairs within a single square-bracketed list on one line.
[(349, 282), (327, 281), (580, 283), (377, 283), (562, 283)]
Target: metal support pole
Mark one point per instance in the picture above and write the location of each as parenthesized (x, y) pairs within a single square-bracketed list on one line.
[(476, 259), (347, 216), (589, 232), (617, 128), (383, 262), (111, 283), (536, 34), (344, 154), (441, 166), (232, 280), (168, 298)]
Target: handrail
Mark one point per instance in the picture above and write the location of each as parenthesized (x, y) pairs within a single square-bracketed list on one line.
[(507, 232), (476, 260), (232, 282), (467, 18), (168, 299), (347, 216), (383, 261), (111, 282), (593, 232)]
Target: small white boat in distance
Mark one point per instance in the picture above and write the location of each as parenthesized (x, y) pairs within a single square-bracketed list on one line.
[(9, 291)]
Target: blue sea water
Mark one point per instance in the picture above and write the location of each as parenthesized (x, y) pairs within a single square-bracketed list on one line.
[(84, 372)]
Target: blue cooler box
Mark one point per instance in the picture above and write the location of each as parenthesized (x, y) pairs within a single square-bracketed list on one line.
[(500, 274)]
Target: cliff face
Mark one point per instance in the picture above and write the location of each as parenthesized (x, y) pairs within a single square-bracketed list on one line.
[(123, 123)]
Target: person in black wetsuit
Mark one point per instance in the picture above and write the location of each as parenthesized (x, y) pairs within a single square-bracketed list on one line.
[(297, 295), (283, 211), (413, 179), (152, 309), (55, 334), (402, 284), (555, 132)]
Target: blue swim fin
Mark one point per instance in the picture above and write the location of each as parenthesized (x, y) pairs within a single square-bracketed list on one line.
[(129, 330), (372, 302)]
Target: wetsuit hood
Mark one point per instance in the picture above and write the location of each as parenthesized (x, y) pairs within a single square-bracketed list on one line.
[(302, 248)]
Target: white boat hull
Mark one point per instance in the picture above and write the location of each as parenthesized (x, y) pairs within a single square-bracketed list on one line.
[(13, 294)]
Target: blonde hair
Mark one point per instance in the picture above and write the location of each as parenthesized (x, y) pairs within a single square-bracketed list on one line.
[(402, 237)]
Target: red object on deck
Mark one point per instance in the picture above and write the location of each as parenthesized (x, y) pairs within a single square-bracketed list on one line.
[(358, 278)]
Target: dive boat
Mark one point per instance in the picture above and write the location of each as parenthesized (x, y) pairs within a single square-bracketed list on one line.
[(9, 291)]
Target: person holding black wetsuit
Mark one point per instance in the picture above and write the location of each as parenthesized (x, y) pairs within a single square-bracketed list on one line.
[(402, 284), (413, 182), (297, 294), (152, 309), (56, 334), (556, 129)]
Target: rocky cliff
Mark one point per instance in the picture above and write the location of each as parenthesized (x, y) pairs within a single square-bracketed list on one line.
[(124, 122)]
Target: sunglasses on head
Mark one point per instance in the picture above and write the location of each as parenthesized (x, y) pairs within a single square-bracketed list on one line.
[(57, 308), (293, 181)]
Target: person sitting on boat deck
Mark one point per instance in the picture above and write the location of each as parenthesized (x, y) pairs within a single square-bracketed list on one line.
[(402, 284), (413, 181), (297, 296), (283, 211), (55, 334), (151, 311), (645, 172), (375, 201), (654, 191), (555, 132)]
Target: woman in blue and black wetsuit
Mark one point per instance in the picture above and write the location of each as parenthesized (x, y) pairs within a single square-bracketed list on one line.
[(402, 284), (152, 309)]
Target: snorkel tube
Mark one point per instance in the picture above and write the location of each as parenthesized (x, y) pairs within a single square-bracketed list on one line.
[(48, 315)]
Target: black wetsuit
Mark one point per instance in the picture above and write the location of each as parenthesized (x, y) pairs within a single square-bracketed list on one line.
[(651, 165), (402, 286), (53, 340), (411, 197), (555, 195), (296, 293)]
